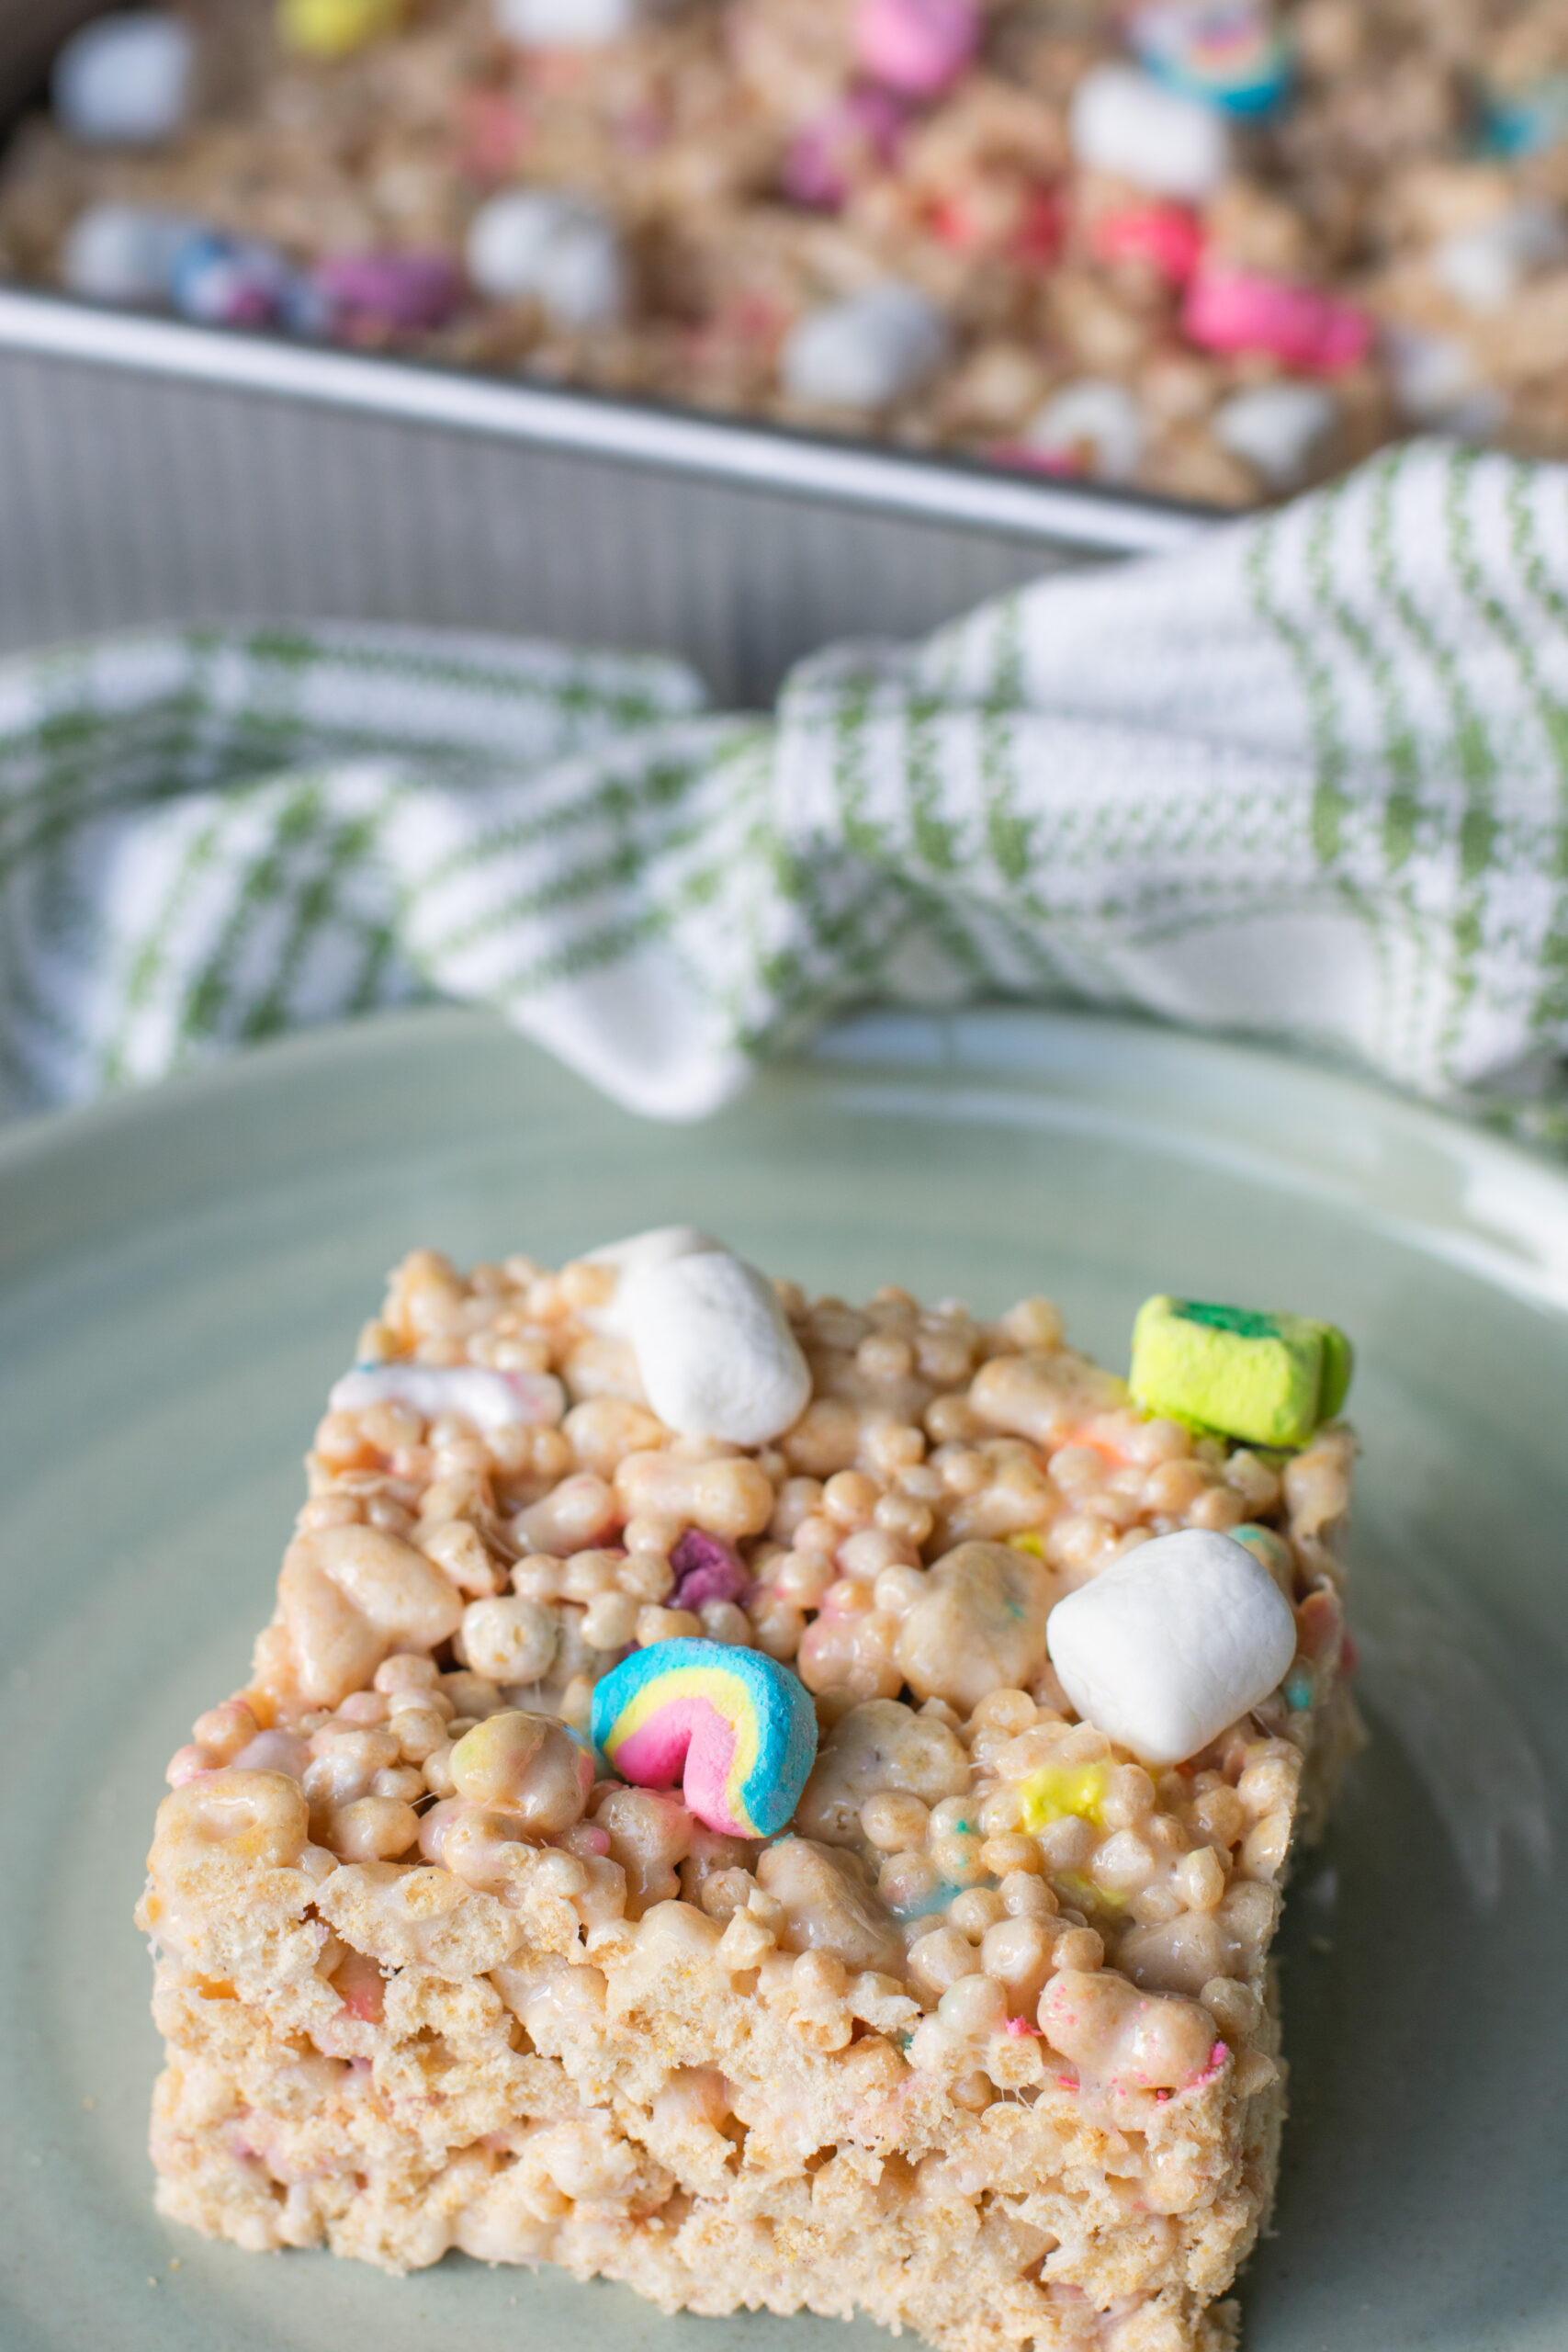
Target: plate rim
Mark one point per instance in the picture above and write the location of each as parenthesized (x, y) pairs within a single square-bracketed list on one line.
[(1504, 1215)]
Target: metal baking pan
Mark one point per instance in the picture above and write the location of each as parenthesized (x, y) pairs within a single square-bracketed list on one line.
[(151, 470)]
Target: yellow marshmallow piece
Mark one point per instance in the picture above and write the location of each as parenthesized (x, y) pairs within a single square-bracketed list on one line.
[(337, 28), (1057, 1790)]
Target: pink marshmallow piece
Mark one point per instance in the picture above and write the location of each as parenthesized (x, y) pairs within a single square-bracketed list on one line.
[(1060, 464), (919, 47), (1167, 236), (1232, 311), (844, 144), (400, 290), (492, 134), (687, 1740)]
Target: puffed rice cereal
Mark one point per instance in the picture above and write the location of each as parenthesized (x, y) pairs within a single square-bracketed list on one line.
[(983, 2042)]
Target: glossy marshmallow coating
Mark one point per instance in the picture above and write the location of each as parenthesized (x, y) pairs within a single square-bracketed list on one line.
[(1165, 1648), (715, 1352)]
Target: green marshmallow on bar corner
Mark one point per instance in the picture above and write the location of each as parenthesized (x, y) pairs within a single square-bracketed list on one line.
[(1268, 1379)]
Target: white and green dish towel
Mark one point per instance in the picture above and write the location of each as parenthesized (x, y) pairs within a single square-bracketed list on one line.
[(1306, 779)]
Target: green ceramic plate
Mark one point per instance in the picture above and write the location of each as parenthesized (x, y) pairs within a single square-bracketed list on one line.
[(181, 1274)]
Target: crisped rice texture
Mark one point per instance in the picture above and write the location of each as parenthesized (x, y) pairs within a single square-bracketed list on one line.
[(999, 2078)]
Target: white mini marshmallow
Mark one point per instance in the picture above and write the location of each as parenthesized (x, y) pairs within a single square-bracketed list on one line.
[(865, 351), (561, 249), (1094, 415), (1276, 427), (124, 252), (714, 1349), (567, 24), (492, 1400), (125, 81), (658, 1247), (1485, 268), (1127, 123), (1163, 1650), (1435, 378)]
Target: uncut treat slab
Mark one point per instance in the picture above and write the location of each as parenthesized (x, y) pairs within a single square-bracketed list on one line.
[(1382, 249), (415, 1997)]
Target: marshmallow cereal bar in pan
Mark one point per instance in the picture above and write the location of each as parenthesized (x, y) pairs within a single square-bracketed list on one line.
[(1211, 248), (776, 1802)]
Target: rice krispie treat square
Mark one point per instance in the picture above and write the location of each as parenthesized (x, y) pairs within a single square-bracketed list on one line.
[(776, 1802)]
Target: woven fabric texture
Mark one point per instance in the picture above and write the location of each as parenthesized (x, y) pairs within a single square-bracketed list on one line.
[(1305, 780)]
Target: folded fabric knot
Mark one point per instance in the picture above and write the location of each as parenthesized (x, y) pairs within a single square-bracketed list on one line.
[(1306, 779)]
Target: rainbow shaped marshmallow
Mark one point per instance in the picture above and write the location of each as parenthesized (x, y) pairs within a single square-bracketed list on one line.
[(1229, 52), (734, 1727)]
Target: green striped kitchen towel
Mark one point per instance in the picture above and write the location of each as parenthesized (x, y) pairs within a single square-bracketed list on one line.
[(1307, 779)]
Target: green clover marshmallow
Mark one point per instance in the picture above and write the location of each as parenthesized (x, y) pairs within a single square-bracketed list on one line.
[(1269, 1379)]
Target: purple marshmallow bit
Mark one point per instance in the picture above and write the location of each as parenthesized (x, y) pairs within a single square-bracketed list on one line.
[(404, 291), (706, 1569), (834, 149)]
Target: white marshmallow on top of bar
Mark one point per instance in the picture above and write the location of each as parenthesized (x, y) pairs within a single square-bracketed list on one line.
[(714, 1349), (658, 1247), (865, 351), (1165, 1648), (561, 249), (567, 24), (125, 80), (1485, 268), (1436, 382), (1277, 428), (492, 1400), (1127, 124), (1094, 422), (125, 253)]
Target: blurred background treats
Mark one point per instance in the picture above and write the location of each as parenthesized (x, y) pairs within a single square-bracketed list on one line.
[(1213, 250)]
